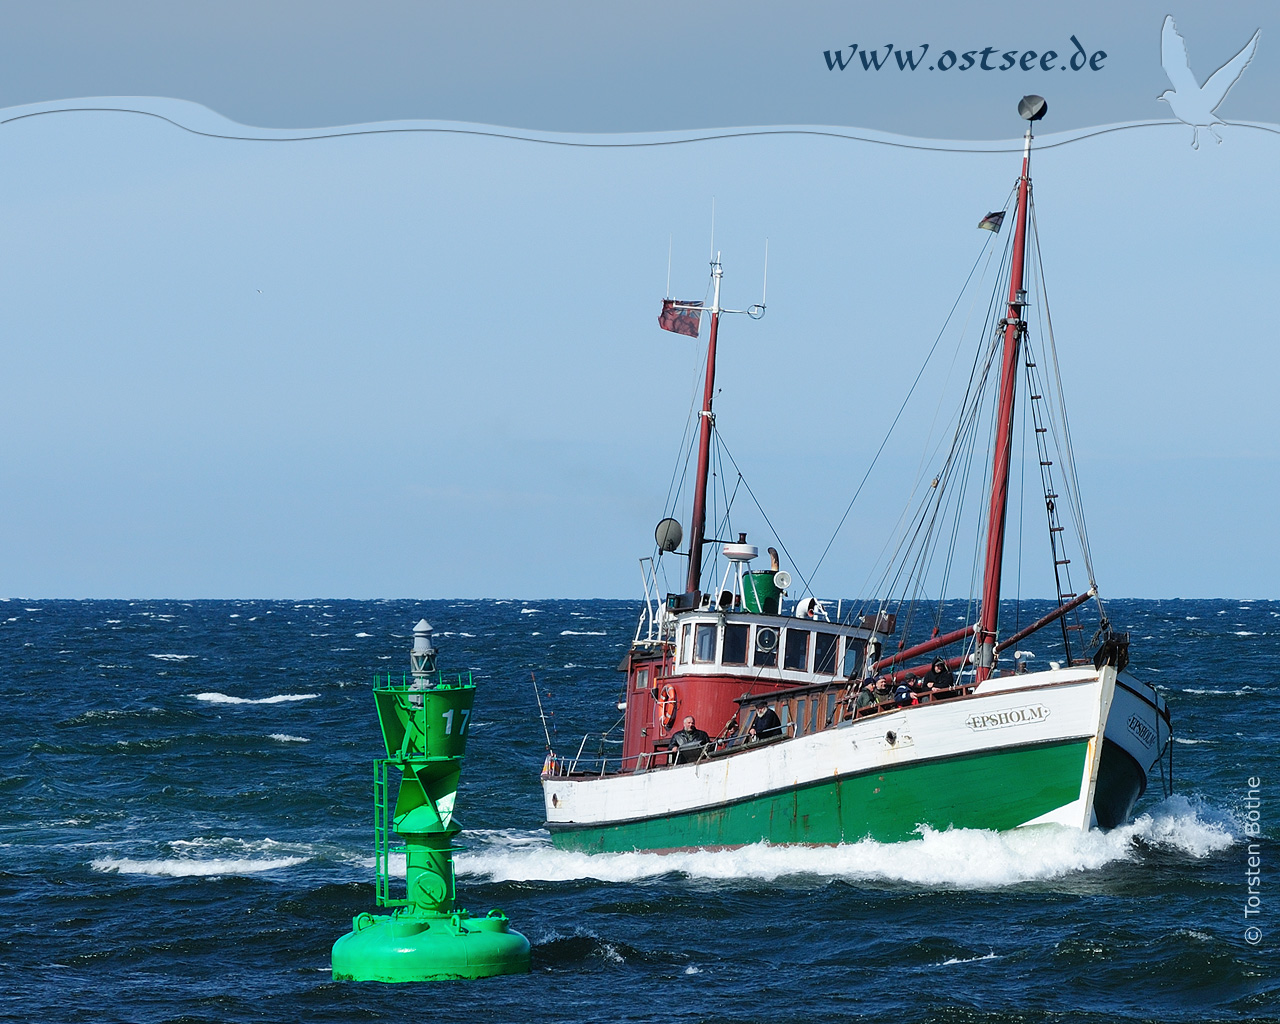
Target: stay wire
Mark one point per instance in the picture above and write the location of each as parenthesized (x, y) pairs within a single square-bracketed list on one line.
[(898, 415)]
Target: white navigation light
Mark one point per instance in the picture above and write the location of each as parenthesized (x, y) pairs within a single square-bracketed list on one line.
[(782, 579)]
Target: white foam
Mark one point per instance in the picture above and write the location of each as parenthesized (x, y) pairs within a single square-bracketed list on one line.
[(1245, 632), (954, 859), (284, 737), (1179, 739), (364, 634), (279, 698), (178, 867), (590, 632), (529, 611), (172, 657), (1218, 693), (968, 960)]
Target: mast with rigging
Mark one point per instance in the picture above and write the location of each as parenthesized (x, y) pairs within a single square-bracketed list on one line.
[(1032, 108), (697, 527)]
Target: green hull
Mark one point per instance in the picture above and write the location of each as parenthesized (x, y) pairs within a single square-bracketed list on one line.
[(991, 790)]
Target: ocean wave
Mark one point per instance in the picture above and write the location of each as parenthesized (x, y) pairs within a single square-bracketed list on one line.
[(1200, 692), (952, 859), (284, 737), (968, 960), (209, 856), (178, 867), (279, 698), (172, 657), (574, 632)]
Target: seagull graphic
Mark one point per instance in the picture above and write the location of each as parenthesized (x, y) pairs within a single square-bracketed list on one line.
[(1191, 102)]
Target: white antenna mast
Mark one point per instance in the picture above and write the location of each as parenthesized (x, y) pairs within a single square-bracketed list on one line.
[(764, 289)]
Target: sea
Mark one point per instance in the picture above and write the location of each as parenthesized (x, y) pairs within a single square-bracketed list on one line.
[(186, 829)]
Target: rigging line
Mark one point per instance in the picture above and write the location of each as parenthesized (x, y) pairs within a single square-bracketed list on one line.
[(965, 418), (1075, 503), (926, 456), (888, 581), (672, 489), (713, 136), (1022, 499), (765, 515), (898, 416), (970, 440), (988, 327), (699, 365)]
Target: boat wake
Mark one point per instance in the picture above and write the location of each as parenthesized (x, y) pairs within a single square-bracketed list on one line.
[(210, 857), (279, 698), (955, 858), (185, 868)]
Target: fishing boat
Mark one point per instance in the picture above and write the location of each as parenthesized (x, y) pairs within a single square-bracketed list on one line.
[(751, 715)]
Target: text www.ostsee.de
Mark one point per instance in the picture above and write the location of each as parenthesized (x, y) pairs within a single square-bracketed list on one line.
[(988, 58)]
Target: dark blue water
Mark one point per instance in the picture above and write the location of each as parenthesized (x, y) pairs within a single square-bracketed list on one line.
[(185, 831)]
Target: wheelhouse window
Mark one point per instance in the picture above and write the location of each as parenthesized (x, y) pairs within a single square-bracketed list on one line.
[(642, 678), (855, 652), (825, 648), (766, 652), (685, 630), (796, 654), (735, 643), (704, 642)]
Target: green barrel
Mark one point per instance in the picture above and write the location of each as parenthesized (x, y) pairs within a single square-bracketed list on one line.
[(425, 724), (760, 593)]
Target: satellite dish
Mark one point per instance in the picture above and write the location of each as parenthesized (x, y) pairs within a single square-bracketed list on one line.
[(782, 579), (668, 535), (1032, 108)]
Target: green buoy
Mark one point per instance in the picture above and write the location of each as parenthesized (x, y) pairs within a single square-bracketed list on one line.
[(425, 720)]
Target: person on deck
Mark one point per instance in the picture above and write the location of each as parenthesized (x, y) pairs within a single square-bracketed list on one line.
[(689, 742), (884, 691), (867, 700), (765, 726), (939, 677)]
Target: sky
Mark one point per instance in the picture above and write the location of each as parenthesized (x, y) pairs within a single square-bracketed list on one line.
[(427, 364)]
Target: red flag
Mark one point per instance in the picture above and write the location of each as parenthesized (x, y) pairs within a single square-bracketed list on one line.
[(681, 317)]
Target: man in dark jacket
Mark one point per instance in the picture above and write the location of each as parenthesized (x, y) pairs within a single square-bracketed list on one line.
[(689, 742), (938, 677), (765, 726)]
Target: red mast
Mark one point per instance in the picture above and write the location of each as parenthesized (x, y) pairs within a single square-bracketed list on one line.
[(697, 527), (1032, 108)]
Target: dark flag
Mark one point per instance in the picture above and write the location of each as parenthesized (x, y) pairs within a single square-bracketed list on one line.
[(992, 221), (681, 317)]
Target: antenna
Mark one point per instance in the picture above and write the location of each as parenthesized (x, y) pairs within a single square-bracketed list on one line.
[(757, 311), (538, 697), (669, 237), (764, 289)]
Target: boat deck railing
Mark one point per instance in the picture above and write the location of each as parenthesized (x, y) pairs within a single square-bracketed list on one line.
[(803, 711)]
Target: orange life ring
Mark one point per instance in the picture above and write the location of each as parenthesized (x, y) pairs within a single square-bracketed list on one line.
[(667, 705)]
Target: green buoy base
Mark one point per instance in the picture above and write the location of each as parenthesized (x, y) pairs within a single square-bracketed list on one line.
[(443, 947)]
